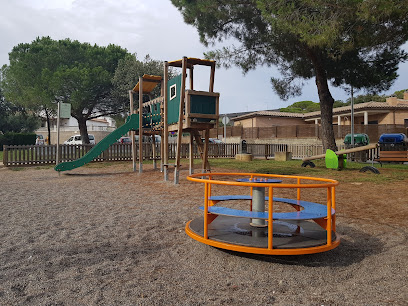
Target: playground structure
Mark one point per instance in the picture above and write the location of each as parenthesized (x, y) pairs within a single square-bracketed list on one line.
[(311, 228), (337, 160), (176, 110)]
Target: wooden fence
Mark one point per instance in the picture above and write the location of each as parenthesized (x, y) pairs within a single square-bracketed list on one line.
[(34, 155), (306, 131)]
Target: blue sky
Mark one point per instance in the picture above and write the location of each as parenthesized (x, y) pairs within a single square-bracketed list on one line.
[(152, 27)]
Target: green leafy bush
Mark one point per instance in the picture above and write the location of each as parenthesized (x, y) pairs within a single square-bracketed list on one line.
[(17, 139)]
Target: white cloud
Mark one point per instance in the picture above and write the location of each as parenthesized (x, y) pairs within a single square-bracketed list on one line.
[(152, 27)]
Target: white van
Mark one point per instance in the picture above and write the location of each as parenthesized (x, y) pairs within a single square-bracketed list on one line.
[(76, 139)]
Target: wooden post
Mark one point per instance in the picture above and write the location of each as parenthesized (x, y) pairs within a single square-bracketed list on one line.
[(191, 78), (191, 151), (180, 122), (165, 137), (212, 75), (132, 132), (154, 151), (5, 156), (162, 126), (199, 143), (140, 124), (205, 155)]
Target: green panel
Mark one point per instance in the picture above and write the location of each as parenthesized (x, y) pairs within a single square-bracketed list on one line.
[(65, 110), (156, 118), (132, 123), (203, 105), (331, 159), (151, 115), (173, 104)]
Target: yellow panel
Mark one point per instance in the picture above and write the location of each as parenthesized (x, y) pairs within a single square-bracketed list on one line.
[(149, 83)]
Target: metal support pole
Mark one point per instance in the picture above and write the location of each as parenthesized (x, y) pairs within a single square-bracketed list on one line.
[(58, 135), (352, 117), (258, 205)]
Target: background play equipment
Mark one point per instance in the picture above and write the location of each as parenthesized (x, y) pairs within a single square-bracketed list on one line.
[(332, 160), (330, 157), (131, 124), (189, 111), (176, 110), (309, 228)]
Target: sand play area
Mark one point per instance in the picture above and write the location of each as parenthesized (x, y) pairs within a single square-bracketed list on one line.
[(108, 236)]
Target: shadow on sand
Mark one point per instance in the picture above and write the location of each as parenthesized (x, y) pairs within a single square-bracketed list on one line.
[(347, 253)]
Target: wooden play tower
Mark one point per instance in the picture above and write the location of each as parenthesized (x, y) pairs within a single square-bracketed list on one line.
[(178, 110)]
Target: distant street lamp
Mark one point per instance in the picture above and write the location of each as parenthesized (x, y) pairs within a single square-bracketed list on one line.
[(225, 121), (352, 117), (64, 112)]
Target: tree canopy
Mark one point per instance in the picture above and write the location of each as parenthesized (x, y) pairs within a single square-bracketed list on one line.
[(46, 71), (127, 75), (302, 107), (15, 119), (346, 43)]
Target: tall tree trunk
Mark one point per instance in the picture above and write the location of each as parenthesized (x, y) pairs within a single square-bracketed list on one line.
[(83, 130), (326, 110), (48, 126), (326, 103)]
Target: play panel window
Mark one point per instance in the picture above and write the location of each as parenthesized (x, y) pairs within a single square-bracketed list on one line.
[(172, 91)]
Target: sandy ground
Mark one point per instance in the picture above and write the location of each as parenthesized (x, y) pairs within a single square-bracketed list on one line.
[(109, 236)]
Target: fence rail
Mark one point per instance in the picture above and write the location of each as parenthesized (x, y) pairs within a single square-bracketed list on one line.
[(34, 155)]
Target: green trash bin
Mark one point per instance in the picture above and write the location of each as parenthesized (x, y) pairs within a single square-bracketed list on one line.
[(359, 141)]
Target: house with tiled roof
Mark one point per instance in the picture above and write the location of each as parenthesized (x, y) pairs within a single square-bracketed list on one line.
[(393, 111), (268, 118)]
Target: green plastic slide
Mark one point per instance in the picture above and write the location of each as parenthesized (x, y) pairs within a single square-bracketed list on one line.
[(132, 124)]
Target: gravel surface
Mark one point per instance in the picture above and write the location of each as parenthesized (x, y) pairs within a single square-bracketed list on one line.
[(109, 236)]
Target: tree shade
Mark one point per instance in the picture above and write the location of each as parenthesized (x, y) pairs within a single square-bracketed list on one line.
[(346, 43)]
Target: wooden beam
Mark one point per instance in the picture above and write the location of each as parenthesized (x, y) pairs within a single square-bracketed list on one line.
[(140, 124), (206, 164), (181, 118), (212, 75), (165, 138), (191, 154), (154, 151), (347, 151), (132, 133), (192, 78)]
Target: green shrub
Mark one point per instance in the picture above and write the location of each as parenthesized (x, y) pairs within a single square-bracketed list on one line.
[(17, 139)]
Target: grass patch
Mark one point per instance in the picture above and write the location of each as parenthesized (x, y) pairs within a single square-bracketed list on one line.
[(388, 173), (44, 167), (17, 168)]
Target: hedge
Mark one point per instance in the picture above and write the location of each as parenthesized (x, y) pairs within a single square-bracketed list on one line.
[(17, 139)]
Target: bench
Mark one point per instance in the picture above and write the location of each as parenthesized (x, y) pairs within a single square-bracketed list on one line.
[(310, 210), (392, 156)]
